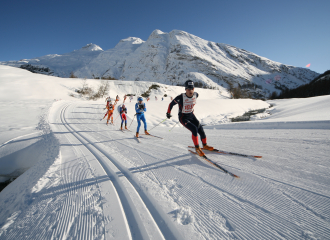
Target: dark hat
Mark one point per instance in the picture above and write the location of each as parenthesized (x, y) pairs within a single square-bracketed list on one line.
[(189, 84)]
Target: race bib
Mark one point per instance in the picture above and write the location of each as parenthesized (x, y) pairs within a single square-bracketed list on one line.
[(188, 103)]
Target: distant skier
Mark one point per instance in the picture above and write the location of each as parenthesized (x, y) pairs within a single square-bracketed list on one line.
[(123, 112), (171, 98), (109, 113), (148, 99), (162, 99), (140, 108), (108, 103), (117, 98), (124, 98), (155, 98), (187, 118)]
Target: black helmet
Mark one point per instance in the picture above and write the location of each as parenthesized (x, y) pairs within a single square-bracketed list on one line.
[(189, 84)]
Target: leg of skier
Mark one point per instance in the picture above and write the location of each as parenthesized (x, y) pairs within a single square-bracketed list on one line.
[(145, 124), (201, 133), (138, 118)]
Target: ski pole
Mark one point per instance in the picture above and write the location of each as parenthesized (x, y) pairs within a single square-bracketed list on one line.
[(158, 124), (173, 126), (132, 121)]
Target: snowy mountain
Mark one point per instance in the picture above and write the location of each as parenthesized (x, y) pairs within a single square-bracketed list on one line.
[(59, 65), (172, 58)]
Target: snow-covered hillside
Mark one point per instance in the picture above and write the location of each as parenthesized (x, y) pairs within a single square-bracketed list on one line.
[(172, 58), (85, 180), (59, 64)]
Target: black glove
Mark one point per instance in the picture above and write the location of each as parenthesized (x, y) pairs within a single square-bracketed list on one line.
[(168, 115), (141, 106)]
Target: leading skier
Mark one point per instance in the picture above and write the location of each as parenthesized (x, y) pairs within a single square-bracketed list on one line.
[(186, 102)]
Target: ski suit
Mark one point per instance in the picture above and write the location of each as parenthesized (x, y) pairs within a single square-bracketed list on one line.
[(140, 109), (109, 113), (123, 117), (108, 104), (187, 117)]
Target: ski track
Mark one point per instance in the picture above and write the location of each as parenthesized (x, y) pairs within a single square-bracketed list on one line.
[(106, 185), (145, 218), (215, 204)]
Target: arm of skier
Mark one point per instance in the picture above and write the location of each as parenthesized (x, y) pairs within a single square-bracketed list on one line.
[(137, 108), (171, 105)]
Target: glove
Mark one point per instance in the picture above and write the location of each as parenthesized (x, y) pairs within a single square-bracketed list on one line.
[(141, 106), (168, 115)]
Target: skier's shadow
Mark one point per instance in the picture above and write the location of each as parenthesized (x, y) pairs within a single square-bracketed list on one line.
[(190, 160)]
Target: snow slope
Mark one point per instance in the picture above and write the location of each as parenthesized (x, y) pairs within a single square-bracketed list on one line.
[(96, 182)]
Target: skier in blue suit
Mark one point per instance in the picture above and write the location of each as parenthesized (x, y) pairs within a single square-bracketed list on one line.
[(140, 108)]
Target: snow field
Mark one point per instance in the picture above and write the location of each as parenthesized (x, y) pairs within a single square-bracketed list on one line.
[(92, 181)]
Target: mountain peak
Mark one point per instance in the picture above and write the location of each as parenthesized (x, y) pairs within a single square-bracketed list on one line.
[(133, 40), (91, 47), (156, 34)]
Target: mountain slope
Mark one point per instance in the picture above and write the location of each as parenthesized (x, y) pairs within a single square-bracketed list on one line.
[(174, 57), (59, 65)]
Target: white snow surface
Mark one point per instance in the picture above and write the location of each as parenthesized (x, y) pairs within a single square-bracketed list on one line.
[(83, 179)]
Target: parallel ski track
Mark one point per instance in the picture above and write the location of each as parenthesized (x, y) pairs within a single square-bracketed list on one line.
[(165, 225), (267, 225)]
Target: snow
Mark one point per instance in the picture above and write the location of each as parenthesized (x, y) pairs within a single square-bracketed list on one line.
[(81, 179)]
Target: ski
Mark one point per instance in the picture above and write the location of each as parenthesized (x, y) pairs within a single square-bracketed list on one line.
[(231, 153), (215, 164), (137, 139), (152, 136), (123, 130)]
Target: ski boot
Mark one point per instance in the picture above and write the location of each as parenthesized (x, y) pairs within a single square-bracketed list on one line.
[(137, 135), (146, 132), (199, 151), (207, 147), (126, 128)]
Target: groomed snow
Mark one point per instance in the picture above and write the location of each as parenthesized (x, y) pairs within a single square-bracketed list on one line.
[(86, 180)]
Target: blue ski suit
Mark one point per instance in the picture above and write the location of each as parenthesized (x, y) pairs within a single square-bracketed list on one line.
[(140, 109)]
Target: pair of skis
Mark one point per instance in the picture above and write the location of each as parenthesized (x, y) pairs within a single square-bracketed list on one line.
[(222, 152)]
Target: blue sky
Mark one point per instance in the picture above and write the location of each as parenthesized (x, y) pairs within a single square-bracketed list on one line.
[(293, 32)]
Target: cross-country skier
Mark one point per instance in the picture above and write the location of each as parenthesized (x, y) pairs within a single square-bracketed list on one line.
[(123, 112), (140, 108), (109, 113), (187, 118), (117, 98), (124, 98), (108, 103)]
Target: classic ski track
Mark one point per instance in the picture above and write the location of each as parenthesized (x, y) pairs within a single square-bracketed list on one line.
[(276, 221), (165, 227), (184, 171), (251, 172), (73, 210)]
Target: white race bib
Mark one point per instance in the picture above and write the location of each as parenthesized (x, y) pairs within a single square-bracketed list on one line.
[(188, 103)]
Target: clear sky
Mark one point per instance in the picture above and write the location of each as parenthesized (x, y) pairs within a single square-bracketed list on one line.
[(293, 32)]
